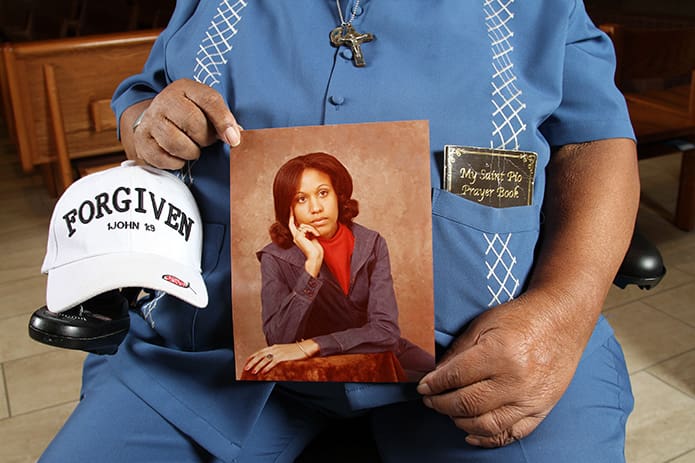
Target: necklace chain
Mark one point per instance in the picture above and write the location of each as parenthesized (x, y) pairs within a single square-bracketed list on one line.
[(346, 36), (352, 14)]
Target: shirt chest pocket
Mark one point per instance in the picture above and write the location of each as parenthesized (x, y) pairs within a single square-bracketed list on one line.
[(482, 258)]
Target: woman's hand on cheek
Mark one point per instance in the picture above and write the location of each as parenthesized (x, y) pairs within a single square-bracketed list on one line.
[(305, 237)]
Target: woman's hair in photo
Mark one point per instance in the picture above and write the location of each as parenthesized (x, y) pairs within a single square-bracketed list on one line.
[(286, 183)]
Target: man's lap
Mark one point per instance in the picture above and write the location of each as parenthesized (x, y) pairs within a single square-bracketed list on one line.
[(588, 424), (112, 424)]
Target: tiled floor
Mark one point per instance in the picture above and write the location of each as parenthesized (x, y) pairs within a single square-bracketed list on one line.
[(40, 385)]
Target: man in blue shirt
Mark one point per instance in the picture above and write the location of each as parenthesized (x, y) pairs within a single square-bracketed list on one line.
[(528, 369)]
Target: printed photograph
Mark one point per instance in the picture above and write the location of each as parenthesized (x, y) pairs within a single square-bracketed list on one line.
[(331, 253)]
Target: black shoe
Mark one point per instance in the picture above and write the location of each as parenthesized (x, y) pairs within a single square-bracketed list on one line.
[(98, 325)]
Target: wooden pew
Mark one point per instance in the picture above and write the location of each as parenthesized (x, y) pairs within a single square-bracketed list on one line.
[(59, 92), (5, 97), (656, 73)]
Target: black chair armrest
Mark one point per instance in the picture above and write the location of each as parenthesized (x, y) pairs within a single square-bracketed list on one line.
[(642, 266)]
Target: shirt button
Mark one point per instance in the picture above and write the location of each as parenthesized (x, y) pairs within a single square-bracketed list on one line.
[(347, 54), (359, 10), (337, 100)]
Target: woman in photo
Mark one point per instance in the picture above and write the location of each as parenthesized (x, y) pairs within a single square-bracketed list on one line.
[(327, 287)]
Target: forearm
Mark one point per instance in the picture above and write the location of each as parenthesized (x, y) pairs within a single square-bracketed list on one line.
[(285, 321), (370, 338), (285, 308), (591, 203)]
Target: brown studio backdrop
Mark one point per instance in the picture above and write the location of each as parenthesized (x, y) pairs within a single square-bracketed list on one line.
[(389, 164)]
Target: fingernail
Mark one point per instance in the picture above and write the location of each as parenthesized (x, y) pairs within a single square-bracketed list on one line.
[(232, 136), (428, 402), (424, 389), (472, 440)]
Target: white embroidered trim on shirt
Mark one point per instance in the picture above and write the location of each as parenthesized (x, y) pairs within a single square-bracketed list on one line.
[(506, 96), (212, 52), (217, 42), (507, 125), (500, 264)]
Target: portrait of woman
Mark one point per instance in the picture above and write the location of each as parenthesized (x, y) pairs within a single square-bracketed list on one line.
[(327, 287)]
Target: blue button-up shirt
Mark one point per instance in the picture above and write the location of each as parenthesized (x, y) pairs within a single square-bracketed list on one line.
[(515, 75)]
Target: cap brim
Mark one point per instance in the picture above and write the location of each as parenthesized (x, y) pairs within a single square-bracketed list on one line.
[(74, 283)]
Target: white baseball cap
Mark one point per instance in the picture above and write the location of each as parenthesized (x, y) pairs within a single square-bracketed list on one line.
[(127, 226)]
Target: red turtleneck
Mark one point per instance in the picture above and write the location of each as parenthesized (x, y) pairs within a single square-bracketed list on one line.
[(337, 254)]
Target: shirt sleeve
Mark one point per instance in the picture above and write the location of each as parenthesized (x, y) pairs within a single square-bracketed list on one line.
[(592, 107), (285, 306), (153, 77)]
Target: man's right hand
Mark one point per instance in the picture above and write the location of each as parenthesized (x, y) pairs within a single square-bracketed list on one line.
[(176, 124)]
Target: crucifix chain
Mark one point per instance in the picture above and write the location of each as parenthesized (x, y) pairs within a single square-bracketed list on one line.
[(346, 35)]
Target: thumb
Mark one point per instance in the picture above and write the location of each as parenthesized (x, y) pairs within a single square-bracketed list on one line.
[(231, 135), (460, 369), (216, 111)]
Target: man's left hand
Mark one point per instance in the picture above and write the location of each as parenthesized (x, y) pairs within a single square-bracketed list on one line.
[(505, 373)]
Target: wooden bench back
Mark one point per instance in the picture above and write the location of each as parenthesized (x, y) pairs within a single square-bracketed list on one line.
[(60, 92), (653, 52), (5, 96), (656, 73)]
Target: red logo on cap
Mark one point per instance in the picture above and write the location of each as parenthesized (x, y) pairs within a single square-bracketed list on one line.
[(177, 281)]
